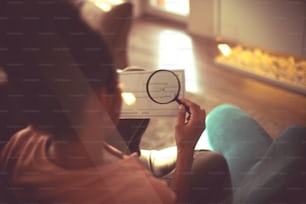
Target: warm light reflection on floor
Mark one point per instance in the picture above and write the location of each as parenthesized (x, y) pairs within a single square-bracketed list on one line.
[(176, 52)]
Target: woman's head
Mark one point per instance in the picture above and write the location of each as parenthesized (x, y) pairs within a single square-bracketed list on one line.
[(44, 38)]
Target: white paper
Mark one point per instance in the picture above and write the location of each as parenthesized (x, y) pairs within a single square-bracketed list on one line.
[(133, 84)]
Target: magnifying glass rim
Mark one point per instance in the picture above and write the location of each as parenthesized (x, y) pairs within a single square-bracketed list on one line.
[(178, 91)]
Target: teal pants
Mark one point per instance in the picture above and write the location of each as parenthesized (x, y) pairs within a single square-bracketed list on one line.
[(262, 170)]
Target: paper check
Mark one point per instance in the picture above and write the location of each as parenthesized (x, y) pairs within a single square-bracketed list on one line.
[(136, 102)]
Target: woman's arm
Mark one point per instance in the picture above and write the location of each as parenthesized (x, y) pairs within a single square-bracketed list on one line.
[(187, 134)]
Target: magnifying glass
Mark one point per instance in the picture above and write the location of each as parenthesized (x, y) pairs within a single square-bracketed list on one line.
[(163, 87)]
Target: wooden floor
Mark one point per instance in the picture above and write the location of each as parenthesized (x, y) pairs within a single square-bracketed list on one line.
[(156, 44)]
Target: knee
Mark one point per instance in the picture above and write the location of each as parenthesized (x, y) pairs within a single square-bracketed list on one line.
[(219, 171), (224, 108), (297, 129), (224, 118), (210, 177), (216, 158), (293, 140), (294, 133), (222, 111), (210, 163)]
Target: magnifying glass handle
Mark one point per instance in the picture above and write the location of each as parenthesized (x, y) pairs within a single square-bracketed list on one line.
[(186, 107)]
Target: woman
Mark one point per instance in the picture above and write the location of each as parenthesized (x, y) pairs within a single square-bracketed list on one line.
[(62, 76)]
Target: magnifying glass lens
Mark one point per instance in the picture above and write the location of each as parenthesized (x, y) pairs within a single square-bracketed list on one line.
[(163, 87)]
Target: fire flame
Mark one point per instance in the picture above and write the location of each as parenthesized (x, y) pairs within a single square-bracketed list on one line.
[(225, 49)]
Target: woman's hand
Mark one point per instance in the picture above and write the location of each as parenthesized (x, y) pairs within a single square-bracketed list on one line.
[(187, 132)]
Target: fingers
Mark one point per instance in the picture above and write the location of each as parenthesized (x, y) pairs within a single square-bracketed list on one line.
[(197, 114), (181, 115), (188, 132)]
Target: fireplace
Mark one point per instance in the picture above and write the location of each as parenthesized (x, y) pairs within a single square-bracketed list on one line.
[(269, 37), (282, 70)]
